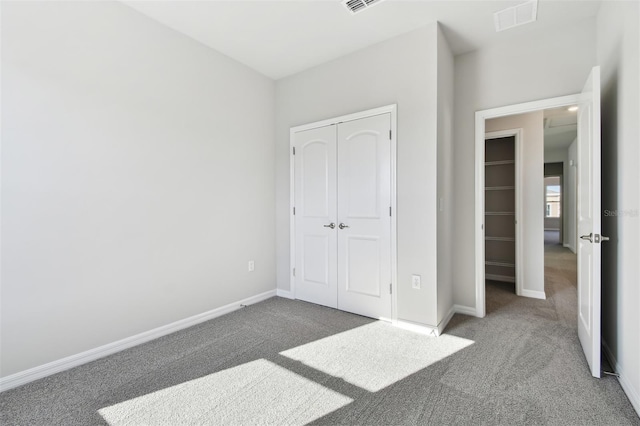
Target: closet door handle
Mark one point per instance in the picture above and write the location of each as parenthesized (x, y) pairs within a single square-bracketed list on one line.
[(331, 225), (342, 226)]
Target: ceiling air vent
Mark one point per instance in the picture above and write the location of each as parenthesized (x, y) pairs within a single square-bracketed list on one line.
[(356, 6), (516, 15)]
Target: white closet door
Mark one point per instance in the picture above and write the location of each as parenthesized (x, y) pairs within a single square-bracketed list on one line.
[(364, 200), (315, 201)]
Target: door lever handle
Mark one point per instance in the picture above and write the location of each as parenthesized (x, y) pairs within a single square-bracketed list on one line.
[(331, 225), (587, 237), (342, 226), (597, 238)]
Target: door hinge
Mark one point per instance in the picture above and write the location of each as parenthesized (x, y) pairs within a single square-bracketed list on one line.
[(390, 288), (390, 135), (294, 150), (389, 211), (294, 272), (294, 211)]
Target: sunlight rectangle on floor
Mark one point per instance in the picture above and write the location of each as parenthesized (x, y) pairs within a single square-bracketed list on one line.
[(258, 392), (376, 355)]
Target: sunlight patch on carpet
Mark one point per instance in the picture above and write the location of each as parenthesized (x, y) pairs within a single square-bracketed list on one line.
[(376, 355), (258, 392)]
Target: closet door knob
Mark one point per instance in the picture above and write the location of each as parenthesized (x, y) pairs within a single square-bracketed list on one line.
[(331, 225), (342, 226)]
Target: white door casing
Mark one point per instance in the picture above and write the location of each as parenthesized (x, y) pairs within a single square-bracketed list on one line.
[(315, 204), (364, 216), (589, 221)]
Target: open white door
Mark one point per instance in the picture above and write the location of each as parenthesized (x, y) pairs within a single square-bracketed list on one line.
[(589, 249)]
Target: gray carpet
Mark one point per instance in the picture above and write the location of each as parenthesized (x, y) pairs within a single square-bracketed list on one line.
[(287, 362)]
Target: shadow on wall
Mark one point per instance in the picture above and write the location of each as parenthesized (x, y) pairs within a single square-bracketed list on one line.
[(609, 159)]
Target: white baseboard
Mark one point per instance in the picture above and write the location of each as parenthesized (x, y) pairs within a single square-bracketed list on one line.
[(416, 328), (627, 387), (465, 310), (534, 294), (445, 320), (285, 293), (32, 374), (570, 247)]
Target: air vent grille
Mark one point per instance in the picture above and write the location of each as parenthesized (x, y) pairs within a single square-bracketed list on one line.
[(516, 15), (355, 6)]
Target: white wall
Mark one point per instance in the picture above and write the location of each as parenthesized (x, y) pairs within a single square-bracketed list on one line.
[(618, 53), (445, 177), (558, 155), (541, 65), (532, 193), (402, 70), (133, 189)]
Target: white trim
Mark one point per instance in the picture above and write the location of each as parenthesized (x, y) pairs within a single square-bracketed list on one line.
[(445, 321), (284, 293), (32, 374), (394, 211), (480, 118), (534, 294), (349, 117), (416, 328), (627, 387), (465, 310), (387, 109), (292, 219), (435, 331)]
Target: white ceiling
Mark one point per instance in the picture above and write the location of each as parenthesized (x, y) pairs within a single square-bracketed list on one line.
[(280, 38)]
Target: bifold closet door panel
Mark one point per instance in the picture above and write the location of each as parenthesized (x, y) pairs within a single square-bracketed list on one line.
[(364, 199), (315, 204)]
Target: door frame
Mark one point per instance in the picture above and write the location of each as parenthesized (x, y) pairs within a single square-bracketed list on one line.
[(517, 134), (480, 118), (387, 109)]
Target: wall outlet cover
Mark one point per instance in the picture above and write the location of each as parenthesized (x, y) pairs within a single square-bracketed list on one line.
[(415, 282)]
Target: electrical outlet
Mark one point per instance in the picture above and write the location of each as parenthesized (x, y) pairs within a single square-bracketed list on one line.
[(252, 266), (415, 281)]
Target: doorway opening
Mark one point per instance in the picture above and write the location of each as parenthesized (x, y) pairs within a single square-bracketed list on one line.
[(529, 118), (588, 211), (552, 209)]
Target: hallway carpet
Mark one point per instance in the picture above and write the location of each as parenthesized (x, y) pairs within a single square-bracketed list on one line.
[(287, 362)]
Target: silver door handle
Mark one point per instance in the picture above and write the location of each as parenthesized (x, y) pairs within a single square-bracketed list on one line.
[(597, 238), (331, 225), (587, 237), (342, 226)]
